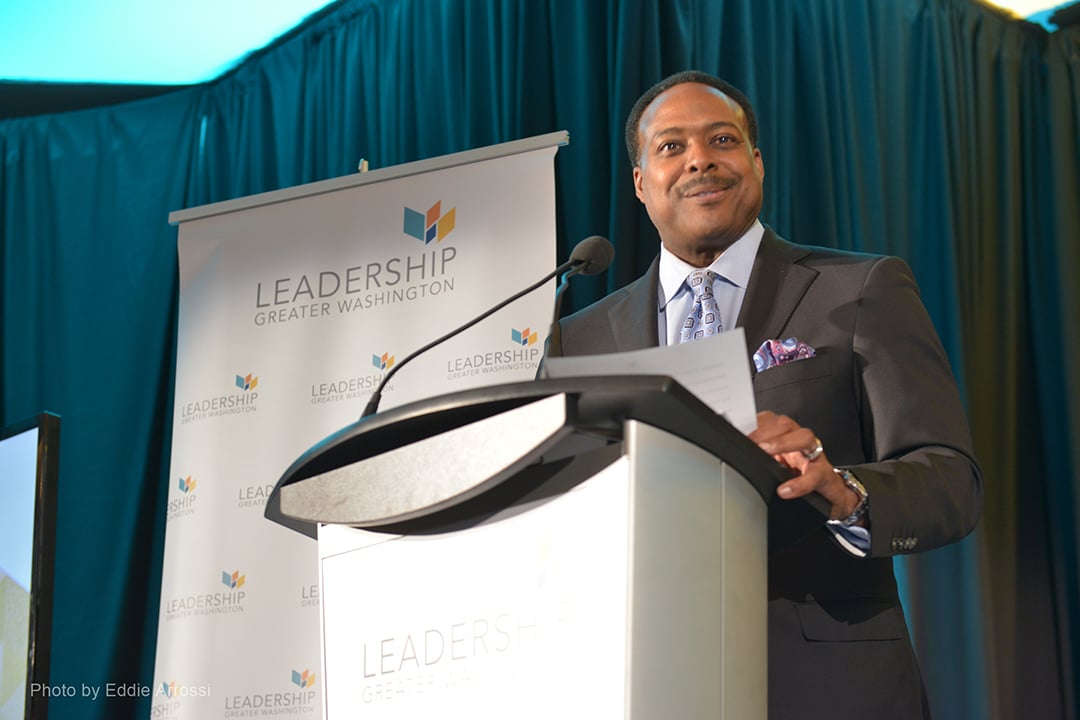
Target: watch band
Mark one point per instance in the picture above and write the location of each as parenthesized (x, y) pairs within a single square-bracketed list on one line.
[(864, 498)]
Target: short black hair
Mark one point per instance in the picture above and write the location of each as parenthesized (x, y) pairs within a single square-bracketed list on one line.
[(633, 147)]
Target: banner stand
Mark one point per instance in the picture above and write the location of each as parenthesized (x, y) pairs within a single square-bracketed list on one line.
[(293, 305)]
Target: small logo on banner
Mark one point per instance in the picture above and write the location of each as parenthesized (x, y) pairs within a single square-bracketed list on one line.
[(525, 356), (183, 504), (298, 698), (432, 225), (231, 403), (215, 602), (382, 362), (168, 696), (233, 580), (523, 337), (337, 389), (305, 679)]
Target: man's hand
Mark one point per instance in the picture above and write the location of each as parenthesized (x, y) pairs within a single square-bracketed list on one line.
[(792, 445)]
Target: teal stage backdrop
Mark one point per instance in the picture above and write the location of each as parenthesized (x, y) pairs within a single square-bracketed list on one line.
[(937, 130)]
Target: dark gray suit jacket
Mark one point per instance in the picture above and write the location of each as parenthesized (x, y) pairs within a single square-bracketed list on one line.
[(882, 398)]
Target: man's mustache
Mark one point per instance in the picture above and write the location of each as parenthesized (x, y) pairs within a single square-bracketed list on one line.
[(707, 183)]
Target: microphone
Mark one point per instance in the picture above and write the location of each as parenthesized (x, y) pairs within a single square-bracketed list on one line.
[(591, 256), (594, 253)]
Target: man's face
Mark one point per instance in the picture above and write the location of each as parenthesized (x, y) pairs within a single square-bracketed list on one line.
[(698, 175)]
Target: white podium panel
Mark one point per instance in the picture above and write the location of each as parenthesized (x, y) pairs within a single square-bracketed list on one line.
[(637, 593), (526, 612)]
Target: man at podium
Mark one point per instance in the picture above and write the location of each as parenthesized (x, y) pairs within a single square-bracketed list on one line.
[(854, 388)]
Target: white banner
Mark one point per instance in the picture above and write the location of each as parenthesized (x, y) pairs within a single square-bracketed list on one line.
[(292, 307)]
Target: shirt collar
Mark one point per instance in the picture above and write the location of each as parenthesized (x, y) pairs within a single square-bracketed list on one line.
[(734, 264)]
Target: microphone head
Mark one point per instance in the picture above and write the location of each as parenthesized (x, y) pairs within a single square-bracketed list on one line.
[(594, 253)]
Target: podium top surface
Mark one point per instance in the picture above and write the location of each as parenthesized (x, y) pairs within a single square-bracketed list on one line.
[(596, 405)]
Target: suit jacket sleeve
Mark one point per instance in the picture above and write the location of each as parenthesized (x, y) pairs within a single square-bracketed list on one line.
[(924, 483), (880, 394)]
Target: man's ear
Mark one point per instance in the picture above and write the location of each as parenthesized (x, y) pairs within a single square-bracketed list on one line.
[(638, 177)]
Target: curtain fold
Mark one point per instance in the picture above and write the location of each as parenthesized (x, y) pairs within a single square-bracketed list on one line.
[(937, 130), (1053, 255)]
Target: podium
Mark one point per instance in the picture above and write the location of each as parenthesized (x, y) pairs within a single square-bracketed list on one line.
[(578, 548)]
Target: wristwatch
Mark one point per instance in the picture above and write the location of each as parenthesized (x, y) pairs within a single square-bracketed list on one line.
[(864, 498)]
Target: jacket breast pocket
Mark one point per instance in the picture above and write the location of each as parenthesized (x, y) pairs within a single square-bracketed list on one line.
[(798, 371)]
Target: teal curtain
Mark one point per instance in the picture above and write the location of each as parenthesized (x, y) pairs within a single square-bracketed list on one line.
[(87, 301), (937, 130)]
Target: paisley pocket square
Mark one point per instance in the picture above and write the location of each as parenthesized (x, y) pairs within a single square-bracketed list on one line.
[(781, 352)]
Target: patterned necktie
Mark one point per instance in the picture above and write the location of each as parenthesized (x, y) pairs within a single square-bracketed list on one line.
[(704, 318)]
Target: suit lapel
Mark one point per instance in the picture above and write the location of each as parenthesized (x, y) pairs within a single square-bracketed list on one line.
[(634, 317), (777, 284)]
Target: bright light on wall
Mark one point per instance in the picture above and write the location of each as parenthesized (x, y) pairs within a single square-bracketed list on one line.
[(136, 41), (1026, 8), (172, 42)]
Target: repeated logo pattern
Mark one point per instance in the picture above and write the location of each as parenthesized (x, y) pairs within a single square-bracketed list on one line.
[(187, 484), (233, 581), (523, 337), (247, 382), (305, 679), (432, 225), (382, 362)]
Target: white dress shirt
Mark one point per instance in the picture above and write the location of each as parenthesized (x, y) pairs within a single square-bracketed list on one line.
[(733, 267)]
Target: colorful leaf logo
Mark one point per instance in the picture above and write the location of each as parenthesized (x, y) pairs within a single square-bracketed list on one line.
[(432, 225), (305, 679), (523, 337), (383, 362), (233, 581)]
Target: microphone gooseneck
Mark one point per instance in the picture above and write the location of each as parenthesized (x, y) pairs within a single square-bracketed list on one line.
[(591, 256)]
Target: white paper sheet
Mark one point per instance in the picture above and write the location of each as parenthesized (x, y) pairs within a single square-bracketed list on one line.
[(716, 370)]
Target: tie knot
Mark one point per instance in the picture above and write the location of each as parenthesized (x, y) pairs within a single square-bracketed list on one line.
[(704, 318), (701, 282)]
